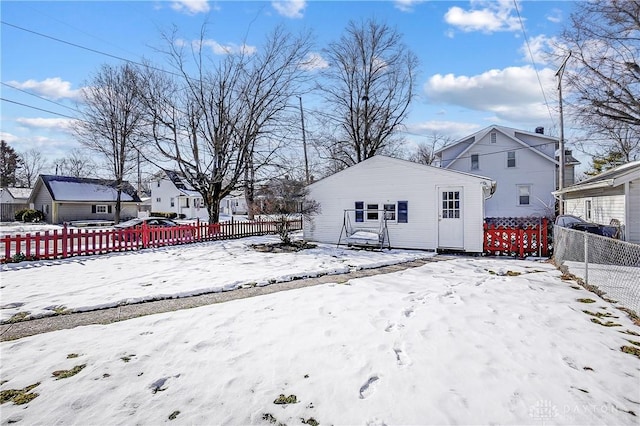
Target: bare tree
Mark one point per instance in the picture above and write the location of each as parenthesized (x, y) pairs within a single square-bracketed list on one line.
[(33, 163), (77, 164), (424, 152), (604, 71), (111, 120), (370, 85), (217, 121)]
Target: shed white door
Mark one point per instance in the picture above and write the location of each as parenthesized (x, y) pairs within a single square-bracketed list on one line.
[(450, 219)]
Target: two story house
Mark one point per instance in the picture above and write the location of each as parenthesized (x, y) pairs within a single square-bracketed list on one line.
[(523, 164), (171, 193)]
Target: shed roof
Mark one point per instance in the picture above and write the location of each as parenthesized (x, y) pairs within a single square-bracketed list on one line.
[(19, 192), (68, 188)]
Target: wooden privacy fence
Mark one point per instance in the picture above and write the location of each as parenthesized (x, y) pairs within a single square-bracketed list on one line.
[(69, 242), (517, 240)]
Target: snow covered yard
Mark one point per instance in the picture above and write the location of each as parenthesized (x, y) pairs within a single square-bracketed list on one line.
[(466, 341)]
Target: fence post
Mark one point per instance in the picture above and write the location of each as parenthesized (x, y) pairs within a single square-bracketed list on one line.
[(586, 257), (197, 229), (64, 241)]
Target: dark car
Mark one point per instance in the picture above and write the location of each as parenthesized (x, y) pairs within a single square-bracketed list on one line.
[(133, 224), (579, 224)]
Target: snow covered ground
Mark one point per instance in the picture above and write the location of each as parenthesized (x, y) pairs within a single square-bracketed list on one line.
[(465, 341)]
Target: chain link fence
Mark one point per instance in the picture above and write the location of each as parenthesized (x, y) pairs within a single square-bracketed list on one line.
[(612, 266)]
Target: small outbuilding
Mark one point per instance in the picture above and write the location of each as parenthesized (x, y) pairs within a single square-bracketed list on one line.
[(67, 199), (612, 197), (387, 202)]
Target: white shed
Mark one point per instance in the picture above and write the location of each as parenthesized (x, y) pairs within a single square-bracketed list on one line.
[(425, 207)]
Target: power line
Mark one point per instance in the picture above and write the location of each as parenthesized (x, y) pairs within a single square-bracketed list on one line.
[(533, 61), (99, 52), (39, 97), (39, 109)]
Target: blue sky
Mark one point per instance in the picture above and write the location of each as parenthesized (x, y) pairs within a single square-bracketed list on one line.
[(475, 62)]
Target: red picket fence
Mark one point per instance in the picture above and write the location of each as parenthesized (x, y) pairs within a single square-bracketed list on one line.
[(70, 242), (528, 240)]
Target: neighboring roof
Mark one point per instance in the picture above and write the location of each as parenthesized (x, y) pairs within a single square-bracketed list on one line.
[(490, 183), (68, 188), (181, 184), (507, 131), (18, 192), (610, 178)]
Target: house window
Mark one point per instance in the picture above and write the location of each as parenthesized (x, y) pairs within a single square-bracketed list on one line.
[(403, 211), (475, 161), (587, 210), (359, 211), (494, 137), (186, 200), (101, 208), (158, 184), (524, 195), (451, 204), (158, 200), (172, 202), (390, 211), (511, 159), (372, 212)]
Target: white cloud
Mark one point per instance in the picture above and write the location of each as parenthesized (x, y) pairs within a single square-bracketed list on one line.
[(59, 124), (314, 61), (50, 88), (290, 8), (453, 129), (485, 16), (191, 7), (555, 16), (219, 48), (512, 94), (406, 5), (8, 137), (542, 50)]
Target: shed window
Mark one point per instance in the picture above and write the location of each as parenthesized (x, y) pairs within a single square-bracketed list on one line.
[(372, 212), (390, 211), (511, 159), (100, 208), (403, 211), (475, 161), (524, 195), (359, 211)]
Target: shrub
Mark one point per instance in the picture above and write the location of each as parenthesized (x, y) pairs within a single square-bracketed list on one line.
[(19, 213), (29, 215), (168, 215)]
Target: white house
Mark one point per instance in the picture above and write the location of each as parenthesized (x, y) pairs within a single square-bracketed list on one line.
[(522, 163), (13, 199), (425, 207), (611, 195), (171, 193)]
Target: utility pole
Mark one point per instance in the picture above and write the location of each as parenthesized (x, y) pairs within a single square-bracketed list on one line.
[(304, 144), (559, 74)]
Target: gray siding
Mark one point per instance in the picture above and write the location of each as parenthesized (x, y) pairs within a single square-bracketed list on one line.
[(68, 212), (633, 221), (43, 202)]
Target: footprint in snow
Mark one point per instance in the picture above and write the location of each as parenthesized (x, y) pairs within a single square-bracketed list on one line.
[(408, 312), (368, 388), (402, 358)]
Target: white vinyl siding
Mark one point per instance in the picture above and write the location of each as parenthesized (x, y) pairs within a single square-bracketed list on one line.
[(408, 185)]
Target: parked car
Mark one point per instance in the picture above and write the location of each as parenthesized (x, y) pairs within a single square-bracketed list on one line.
[(579, 224), (138, 222)]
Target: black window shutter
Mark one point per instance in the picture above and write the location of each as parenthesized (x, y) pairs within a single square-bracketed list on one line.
[(109, 209), (93, 208)]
